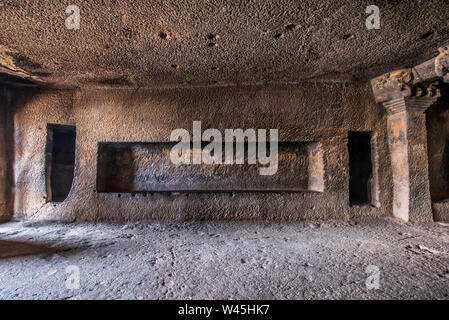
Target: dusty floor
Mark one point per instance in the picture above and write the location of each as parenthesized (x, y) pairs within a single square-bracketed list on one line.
[(224, 260)]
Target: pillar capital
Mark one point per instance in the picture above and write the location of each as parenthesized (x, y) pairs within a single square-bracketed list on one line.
[(397, 92), (412, 89)]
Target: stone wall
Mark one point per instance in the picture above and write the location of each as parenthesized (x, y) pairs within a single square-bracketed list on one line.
[(306, 113)]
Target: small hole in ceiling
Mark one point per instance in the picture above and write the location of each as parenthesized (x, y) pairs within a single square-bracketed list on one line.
[(212, 36), (278, 35), (426, 35), (175, 66), (163, 35), (212, 44), (290, 27), (348, 36), (213, 68)]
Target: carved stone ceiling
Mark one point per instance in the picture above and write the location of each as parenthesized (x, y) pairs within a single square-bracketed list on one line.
[(185, 42)]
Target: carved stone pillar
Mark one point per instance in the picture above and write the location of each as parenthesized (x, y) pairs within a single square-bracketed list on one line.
[(405, 101)]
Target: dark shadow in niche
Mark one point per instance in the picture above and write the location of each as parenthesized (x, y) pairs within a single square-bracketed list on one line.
[(60, 161), (445, 161), (115, 167), (437, 123), (360, 167)]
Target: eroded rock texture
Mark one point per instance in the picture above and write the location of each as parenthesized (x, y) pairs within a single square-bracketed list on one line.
[(135, 71)]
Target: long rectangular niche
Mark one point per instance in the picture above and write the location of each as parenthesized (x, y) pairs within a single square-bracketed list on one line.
[(146, 167)]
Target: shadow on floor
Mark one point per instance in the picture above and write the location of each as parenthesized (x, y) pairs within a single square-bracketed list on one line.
[(10, 249)]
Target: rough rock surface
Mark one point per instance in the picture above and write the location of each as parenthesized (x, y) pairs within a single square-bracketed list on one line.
[(319, 112), (157, 43), (225, 260)]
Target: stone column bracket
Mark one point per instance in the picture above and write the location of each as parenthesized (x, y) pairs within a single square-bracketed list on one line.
[(419, 81), (397, 93), (398, 87)]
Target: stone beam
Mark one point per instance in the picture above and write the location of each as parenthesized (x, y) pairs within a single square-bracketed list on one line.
[(406, 94)]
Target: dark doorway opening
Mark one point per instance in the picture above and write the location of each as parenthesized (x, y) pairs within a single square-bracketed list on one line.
[(445, 162), (60, 161), (360, 167)]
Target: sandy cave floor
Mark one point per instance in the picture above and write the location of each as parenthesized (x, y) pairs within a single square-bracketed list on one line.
[(224, 260)]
